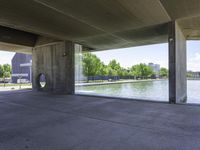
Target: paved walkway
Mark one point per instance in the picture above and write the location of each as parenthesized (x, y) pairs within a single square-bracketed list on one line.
[(116, 82), (40, 121), (14, 87)]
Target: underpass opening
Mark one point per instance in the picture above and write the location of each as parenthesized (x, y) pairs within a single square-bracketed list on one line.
[(193, 72), (133, 73), (15, 71)]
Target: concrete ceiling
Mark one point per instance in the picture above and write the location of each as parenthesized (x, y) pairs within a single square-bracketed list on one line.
[(102, 24), (187, 13), (181, 8), (15, 48), (191, 27)]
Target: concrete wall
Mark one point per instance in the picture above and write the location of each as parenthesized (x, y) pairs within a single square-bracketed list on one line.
[(56, 61), (177, 64)]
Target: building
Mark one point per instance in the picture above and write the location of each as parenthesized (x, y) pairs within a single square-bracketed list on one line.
[(193, 75), (21, 68), (155, 67)]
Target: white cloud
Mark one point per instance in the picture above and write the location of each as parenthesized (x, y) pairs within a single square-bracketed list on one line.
[(194, 62), (6, 57), (5, 60)]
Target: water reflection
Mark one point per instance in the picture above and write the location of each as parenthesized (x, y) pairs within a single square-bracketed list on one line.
[(149, 90), (138, 90)]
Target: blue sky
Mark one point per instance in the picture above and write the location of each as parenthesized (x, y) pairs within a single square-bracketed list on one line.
[(5, 57), (193, 55), (157, 53), (130, 56)]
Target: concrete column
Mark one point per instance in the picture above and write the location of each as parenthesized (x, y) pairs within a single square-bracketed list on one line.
[(56, 61), (177, 64)]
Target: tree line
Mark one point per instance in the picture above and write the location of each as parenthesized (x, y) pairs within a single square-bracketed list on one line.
[(5, 71), (93, 66)]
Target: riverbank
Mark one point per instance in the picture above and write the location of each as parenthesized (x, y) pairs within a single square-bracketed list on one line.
[(156, 90), (116, 82)]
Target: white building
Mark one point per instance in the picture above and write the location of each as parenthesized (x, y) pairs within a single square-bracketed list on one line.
[(155, 67)]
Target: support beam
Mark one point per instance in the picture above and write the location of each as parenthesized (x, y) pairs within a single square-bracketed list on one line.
[(12, 36), (177, 64), (16, 40), (56, 61)]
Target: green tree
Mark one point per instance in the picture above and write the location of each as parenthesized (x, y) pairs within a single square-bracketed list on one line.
[(148, 72), (114, 65), (124, 72), (91, 64), (1, 71), (114, 68), (142, 70), (111, 72), (190, 74), (135, 71), (7, 70), (102, 70), (163, 72), (7, 75)]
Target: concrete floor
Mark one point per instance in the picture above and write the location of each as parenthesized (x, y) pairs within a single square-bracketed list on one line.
[(38, 121)]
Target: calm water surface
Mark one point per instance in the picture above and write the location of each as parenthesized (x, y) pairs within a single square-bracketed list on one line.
[(150, 90)]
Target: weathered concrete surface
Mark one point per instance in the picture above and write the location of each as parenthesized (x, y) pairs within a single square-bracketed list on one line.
[(17, 37), (15, 40), (190, 27), (95, 25), (178, 9), (39, 121), (177, 64), (56, 61), (86, 22)]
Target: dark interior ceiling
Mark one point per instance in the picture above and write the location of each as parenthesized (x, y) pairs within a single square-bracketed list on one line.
[(102, 24)]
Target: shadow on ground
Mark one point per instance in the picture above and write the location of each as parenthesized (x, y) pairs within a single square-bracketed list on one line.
[(42, 121)]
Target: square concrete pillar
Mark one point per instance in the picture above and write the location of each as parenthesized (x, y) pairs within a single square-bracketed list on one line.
[(177, 64), (56, 61)]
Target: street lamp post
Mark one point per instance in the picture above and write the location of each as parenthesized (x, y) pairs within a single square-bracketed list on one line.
[(19, 77)]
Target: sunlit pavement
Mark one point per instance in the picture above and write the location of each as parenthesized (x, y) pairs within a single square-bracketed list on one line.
[(42, 121), (12, 88)]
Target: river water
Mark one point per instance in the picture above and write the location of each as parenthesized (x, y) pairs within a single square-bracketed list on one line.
[(149, 90)]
